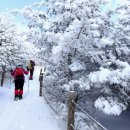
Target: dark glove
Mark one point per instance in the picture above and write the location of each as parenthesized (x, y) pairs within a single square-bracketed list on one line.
[(11, 71), (27, 68)]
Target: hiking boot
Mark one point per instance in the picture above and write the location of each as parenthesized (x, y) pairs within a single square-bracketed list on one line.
[(20, 97), (16, 97), (30, 78)]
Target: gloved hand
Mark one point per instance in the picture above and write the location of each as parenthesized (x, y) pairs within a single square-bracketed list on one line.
[(27, 68), (11, 71)]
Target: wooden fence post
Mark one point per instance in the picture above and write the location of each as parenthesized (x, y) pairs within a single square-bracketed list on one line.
[(71, 110), (40, 74), (3, 75), (41, 83)]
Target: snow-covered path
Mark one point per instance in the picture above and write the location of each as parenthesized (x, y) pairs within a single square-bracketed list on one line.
[(31, 113)]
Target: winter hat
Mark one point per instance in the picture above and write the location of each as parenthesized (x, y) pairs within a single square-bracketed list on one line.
[(19, 66)]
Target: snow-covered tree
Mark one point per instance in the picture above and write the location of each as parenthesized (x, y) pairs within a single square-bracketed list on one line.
[(83, 51), (13, 45), (8, 49)]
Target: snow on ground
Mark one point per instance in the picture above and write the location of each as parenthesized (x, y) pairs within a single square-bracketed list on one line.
[(30, 113)]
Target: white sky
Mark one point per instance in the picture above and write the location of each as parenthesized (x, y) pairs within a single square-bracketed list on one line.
[(113, 4)]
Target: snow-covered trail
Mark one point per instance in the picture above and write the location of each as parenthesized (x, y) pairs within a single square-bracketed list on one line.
[(30, 113)]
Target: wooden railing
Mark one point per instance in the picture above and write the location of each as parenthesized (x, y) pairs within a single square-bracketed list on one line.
[(71, 107)]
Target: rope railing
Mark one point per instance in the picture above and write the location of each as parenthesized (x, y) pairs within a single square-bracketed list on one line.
[(53, 108), (43, 94), (89, 116), (71, 106), (61, 99), (72, 126)]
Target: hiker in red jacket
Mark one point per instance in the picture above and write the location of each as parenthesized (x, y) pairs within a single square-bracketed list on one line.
[(18, 74)]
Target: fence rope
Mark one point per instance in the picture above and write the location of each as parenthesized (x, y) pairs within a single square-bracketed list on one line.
[(73, 127), (53, 108), (61, 99), (90, 116), (49, 104)]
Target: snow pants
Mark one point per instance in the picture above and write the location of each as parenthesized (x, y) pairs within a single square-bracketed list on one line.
[(31, 73), (19, 86)]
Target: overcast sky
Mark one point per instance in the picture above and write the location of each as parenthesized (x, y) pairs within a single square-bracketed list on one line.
[(15, 4), (11, 4), (6, 5)]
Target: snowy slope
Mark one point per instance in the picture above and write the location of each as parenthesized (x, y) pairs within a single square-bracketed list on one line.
[(31, 113)]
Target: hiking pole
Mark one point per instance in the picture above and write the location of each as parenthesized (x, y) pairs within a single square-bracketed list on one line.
[(10, 82), (10, 79), (28, 84)]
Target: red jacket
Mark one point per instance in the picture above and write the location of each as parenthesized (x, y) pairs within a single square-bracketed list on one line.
[(13, 73)]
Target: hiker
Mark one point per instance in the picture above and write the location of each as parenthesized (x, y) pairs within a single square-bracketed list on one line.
[(18, 74), (30, 68)]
